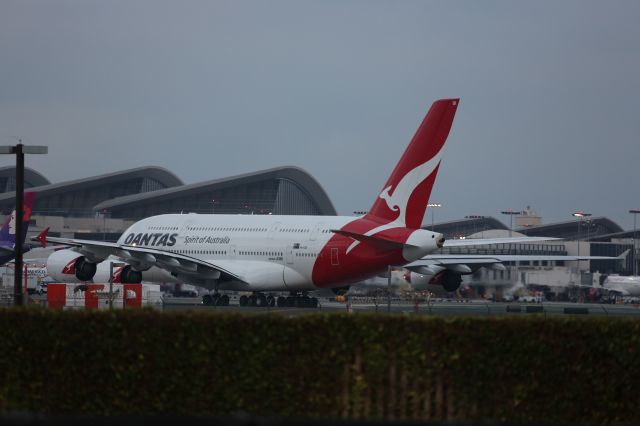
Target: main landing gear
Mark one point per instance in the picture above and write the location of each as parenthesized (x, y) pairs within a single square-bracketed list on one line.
[(257, 299), (215, 299), (297, 301)]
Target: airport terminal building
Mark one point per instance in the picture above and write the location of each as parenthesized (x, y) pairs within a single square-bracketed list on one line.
[(597, 236)]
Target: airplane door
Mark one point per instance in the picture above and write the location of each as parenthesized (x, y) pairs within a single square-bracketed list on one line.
[(273, 230), (335, 260), (315, 232), (289, 255), (232, 251)]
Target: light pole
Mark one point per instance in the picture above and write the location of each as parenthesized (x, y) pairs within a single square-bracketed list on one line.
[(104, 225), (634, 212), (20, 150), (433, 206), (510, 213), (580, 215)]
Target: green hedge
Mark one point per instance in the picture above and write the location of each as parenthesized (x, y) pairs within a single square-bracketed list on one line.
[(336, 365)]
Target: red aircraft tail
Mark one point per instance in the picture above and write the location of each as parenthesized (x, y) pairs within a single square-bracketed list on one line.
[(405, 196)]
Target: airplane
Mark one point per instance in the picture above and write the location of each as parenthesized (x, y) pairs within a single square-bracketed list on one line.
[(259, 253), (277, 253), (8, 230), (627, 286), (440, 272)]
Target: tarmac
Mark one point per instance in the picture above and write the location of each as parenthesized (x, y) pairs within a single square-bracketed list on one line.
[(440, 308)]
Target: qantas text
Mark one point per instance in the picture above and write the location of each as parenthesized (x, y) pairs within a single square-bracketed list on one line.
[(159, 239)]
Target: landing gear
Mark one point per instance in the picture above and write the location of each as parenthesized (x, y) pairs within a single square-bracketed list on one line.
[(215, 299), (297, 301), (257, 300)]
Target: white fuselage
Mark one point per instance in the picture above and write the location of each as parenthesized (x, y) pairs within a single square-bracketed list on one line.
[(268, 251)]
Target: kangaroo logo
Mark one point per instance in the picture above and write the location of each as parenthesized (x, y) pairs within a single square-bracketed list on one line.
[(399, 200)]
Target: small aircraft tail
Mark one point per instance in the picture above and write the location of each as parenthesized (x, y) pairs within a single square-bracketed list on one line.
[(405, 196), (8, 230)]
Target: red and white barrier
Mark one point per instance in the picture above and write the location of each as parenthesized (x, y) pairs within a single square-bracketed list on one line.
[(96, 296)]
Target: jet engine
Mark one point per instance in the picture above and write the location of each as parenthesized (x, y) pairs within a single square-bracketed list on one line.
[(70, 266), (447, 279)]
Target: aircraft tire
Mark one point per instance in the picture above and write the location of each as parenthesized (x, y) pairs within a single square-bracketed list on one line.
[(215, 300), (244, 300), (282, 302), (207, 300), (224, 300), (261, 300)]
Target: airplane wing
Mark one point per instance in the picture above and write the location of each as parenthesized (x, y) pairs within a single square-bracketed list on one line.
[(448, 258), (143, 258), (487, 241), (466, 263), (617, 290)]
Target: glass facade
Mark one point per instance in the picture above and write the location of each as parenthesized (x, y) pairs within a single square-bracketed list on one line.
[(79, 202), (268, 196)]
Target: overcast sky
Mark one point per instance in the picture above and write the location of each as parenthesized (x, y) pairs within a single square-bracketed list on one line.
[(549, 113)]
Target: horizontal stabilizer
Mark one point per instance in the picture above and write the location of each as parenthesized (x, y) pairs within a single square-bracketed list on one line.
[(380, 242)]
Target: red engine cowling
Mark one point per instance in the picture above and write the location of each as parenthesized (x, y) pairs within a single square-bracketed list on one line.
[(70, 266)]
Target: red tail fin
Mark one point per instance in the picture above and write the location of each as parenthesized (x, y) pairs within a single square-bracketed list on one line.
[(42, 237), (405, 196)]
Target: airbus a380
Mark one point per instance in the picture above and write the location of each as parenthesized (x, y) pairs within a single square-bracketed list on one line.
[(261, 253), (286, 253)]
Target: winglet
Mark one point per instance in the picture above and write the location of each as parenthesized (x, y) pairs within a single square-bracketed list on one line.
[(42, 237), (624, 254)]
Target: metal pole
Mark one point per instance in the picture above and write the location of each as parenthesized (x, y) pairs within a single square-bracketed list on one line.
[(578, 240), (110, 285), (635, 261), (510, 226), (389, 288), (17, 285)]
